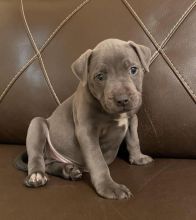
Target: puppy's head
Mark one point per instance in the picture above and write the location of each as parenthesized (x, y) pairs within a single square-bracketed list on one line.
[(114, 72)]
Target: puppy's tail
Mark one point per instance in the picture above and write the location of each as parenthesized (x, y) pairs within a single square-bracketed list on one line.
[(21, 161)]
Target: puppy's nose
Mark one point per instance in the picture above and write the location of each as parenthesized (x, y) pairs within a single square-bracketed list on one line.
[(122, 100)]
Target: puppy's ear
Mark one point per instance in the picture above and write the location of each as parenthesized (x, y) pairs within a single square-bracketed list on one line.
[(143, 53), (80, 66)]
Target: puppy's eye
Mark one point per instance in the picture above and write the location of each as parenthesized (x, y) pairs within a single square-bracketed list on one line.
[(133, 70), (100, 76)]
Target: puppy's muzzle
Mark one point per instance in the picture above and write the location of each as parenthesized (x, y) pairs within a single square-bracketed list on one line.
[(127, 102)]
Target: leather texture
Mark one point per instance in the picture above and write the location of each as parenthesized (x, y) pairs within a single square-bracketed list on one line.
[(163, 190), (62, 30)]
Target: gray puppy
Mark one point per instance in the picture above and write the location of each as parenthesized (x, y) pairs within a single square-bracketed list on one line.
[(84, 133)]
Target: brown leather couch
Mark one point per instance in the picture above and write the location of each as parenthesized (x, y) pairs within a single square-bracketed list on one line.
[(62, 30)]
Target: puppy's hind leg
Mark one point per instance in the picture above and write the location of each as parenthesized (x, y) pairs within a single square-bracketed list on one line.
[(68, 171), (36, 141)]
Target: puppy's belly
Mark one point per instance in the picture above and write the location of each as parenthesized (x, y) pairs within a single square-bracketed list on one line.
[(64, 150)]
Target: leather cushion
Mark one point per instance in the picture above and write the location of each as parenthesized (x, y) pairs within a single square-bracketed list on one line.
[(163, 190)]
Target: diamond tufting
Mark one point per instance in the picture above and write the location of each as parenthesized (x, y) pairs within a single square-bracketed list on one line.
[(63, 30)]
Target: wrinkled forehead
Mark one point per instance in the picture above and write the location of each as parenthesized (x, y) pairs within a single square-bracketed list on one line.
[(114, 54)]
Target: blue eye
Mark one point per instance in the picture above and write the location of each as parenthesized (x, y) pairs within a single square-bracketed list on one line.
[(133, 70), (100, 76)]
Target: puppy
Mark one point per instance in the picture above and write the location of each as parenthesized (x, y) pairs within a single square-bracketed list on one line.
[(84, 133)]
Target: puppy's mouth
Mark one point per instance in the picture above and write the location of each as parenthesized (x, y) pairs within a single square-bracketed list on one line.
[(125, 109), (119, 109)]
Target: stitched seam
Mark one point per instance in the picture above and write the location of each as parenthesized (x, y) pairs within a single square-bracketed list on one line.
[(132, 11), (18, 74), (39, 55), (174, 29), (178, 23), (160, 50), (167, 38), (185, 83)]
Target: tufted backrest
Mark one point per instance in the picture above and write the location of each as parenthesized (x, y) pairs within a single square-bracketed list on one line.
[(35, 74)]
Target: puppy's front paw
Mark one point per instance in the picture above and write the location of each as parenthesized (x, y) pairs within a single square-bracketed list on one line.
[(113, 190), (36, 179), (141, 159)]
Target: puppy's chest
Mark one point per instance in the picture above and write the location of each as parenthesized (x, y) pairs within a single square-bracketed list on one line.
[(111, 136), (122, 123), (115, 129)]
